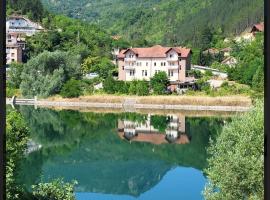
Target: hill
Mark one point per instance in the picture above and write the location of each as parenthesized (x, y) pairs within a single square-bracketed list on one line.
[(168, 22)]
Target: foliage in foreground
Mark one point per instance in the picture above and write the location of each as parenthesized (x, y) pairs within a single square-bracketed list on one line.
[(236, 164), (55, 190), (16, 140), (16, 143)]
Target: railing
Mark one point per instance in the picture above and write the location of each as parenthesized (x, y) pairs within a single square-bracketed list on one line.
[(173, 66), (172, 59), (14, 101), (127, 67), (130, 59)]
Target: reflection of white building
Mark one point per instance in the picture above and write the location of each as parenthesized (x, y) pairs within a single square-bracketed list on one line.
[(145, 132)]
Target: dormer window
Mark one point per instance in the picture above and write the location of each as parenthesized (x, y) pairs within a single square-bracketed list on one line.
[(171, 55)]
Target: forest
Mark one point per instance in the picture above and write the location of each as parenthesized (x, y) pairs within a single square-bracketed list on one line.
[(167, 22)]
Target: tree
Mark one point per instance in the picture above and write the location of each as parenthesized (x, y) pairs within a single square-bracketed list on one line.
[(236, 159), (45, 74), (250, 64), (103, 66), (71, 88), (15, 74), (159, 82)]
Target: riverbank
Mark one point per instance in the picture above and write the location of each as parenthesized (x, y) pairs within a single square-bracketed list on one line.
[(243, 101), (133, 103)]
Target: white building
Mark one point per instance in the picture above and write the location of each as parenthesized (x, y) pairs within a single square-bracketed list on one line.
[(143, 63), (22, 25)]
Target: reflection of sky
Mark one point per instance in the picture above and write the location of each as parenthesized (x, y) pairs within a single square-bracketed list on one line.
[(179, 183)]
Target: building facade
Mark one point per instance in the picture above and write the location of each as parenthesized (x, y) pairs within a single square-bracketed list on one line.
[(17, 29), (144, 63), (22, 25), (13, 53)]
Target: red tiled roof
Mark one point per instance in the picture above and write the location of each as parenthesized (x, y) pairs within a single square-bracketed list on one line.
[(156, 51), (259, 27), (121, 54)]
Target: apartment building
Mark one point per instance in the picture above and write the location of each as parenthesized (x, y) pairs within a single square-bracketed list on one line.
[(143, 63)]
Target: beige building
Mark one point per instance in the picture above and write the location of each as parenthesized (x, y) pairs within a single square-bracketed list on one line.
[(13, 53), (143, 63)]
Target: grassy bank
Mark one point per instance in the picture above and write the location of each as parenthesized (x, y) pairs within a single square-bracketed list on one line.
[(164, 100)]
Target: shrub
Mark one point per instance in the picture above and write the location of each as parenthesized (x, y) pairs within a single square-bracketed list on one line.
[(159, 82), (133, 87), (87, 86), (71, 89), (208, 73), (109, 85), (196, 73), (142, 88)]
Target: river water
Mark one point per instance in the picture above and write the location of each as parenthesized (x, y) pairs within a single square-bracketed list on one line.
[(120, 156)]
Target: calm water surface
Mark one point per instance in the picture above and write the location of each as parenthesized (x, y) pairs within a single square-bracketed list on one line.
[(119, 156)]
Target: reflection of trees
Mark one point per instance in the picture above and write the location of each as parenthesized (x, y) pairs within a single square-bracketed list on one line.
[(86, 147), (159, 122)]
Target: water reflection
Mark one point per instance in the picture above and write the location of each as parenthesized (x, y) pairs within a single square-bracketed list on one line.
[(117, 153), (155, 129)]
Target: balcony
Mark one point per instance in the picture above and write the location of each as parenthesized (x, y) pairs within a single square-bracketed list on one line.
[(130, 59), (127, 67), (172, 58), (173, 67)]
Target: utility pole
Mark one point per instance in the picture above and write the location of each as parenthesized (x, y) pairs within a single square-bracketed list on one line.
[(78, 37)]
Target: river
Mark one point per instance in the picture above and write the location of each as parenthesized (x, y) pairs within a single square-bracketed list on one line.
[(123, 156)]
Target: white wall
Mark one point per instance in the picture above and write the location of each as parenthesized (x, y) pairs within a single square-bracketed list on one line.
[(148, 64)]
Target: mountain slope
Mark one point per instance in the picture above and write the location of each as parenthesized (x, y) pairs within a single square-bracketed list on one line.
[(163, 21)]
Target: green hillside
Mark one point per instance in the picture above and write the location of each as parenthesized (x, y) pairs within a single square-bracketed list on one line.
[(164, 21)]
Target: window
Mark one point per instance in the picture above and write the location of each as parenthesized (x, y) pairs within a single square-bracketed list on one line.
[(170, 73), (132, 72), (123, 67), (171, 55), (12, 60), (164, 64), (161, 63), (145, 72), (146, 63), (12, 54), (142, 72), (155, 64), (137, 64)]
